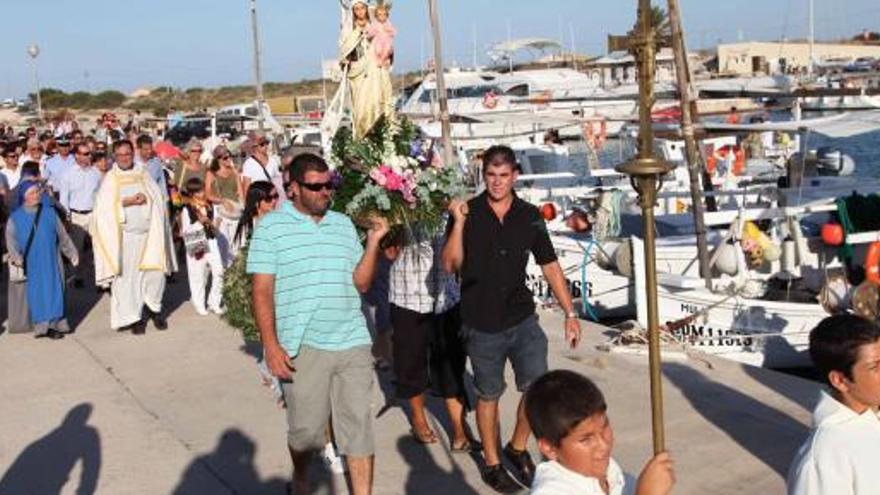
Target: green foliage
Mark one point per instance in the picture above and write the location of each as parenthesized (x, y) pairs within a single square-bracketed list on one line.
[(56, 99), (237, 298)]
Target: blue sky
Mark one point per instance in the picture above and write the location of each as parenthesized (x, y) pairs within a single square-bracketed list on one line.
[(99, 44)]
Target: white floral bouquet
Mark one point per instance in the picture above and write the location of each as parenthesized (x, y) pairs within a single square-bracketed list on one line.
[(394, 172)]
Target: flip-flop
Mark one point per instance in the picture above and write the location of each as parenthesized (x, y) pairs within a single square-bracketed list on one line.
[(425, 438)]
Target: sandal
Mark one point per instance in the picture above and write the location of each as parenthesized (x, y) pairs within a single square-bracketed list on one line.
[(464, 448), (424, 437)]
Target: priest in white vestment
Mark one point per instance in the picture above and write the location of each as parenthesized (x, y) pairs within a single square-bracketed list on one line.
[(132, 243)]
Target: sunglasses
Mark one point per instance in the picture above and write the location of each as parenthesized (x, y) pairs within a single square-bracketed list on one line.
[(11, 155), (83, 154), (317, 186), (224, 157), (195, 151), (272, 197)]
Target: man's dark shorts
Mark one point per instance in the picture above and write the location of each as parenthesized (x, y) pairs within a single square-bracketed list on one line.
[(524, 344)]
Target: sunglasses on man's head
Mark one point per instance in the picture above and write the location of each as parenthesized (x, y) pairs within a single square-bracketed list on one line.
[(317, 186)]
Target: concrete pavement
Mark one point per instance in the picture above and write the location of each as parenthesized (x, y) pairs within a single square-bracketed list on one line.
[(183, 412)]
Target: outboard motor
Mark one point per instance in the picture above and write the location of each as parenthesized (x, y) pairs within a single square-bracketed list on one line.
[(831, 161)]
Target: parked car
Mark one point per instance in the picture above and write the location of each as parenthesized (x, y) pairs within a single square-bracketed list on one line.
[(198, 126), (861, 64)]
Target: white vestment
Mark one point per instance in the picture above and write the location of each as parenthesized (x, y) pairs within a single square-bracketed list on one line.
[(133, 249)]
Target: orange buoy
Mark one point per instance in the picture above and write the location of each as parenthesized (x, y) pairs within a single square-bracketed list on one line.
[(832, 234), (872, 263)]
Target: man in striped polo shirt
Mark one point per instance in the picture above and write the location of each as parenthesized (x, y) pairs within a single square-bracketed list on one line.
[(309, 270)]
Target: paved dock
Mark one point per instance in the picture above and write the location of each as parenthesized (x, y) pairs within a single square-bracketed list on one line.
[(183, 412)]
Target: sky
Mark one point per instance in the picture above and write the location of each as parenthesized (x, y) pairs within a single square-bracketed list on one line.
[(110, 44)]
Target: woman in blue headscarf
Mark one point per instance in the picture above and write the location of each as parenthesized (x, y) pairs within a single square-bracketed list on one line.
[(36, 239)]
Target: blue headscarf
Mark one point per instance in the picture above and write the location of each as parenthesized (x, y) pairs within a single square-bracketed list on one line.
[(23, 188)]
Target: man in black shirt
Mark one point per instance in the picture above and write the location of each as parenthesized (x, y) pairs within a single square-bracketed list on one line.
[(489, 244)]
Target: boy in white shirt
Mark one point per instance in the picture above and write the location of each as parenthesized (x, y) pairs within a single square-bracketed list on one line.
[(567, 413), (841, 455)]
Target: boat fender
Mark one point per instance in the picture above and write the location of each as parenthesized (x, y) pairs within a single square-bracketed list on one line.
[(623, 259), (724, 259), (606, 254), (872, 263), (835, 294), (864, 300)]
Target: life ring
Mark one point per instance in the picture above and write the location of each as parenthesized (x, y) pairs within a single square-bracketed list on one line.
[(490, 100), (595, 139), (739, 160), (872, 263)]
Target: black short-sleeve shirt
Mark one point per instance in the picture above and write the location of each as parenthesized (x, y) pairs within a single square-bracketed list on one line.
[(494, 295)]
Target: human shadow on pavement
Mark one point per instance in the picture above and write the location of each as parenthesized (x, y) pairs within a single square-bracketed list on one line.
[(804, 394), (767, 433), (45, 465), (230, 465), (425, 477)]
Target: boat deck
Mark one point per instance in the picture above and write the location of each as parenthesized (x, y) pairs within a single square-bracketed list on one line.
[(184, 412)]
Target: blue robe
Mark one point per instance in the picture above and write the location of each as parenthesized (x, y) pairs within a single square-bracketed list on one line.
[(45, 282)]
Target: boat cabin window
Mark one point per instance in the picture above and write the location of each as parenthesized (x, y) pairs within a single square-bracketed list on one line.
[(518, 90)]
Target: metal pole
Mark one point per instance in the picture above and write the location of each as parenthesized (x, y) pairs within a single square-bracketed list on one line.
[(688, 104), (37, 84), (474, 30), (646, 171), (441, 83), (812, 40), (258, 77)]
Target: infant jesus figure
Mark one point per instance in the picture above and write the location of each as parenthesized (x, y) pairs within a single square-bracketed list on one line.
[(381, 33)]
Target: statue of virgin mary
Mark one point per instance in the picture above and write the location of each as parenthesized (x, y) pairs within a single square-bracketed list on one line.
[(370, 84)]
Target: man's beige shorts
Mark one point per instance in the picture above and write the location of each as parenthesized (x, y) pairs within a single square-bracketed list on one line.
[(340, 382)]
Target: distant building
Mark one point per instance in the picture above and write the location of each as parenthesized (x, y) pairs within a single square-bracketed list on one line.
[(785, 57), (619, 67)]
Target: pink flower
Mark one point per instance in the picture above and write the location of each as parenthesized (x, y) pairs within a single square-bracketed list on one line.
[(378, 176), (393, 182)]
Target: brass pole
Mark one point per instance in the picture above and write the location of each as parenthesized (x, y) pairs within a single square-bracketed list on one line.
[(646, 171)]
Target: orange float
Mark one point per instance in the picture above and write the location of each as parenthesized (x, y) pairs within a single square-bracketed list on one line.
[(872, 263)]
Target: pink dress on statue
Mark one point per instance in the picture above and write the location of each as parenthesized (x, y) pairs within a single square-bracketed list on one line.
[(382, 36)]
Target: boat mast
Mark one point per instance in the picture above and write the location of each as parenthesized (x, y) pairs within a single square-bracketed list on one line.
[(441, 83), (812, 39), (258, 76), (688, 115)]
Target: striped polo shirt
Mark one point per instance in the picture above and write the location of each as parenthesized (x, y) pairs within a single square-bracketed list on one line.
[(316, 302)]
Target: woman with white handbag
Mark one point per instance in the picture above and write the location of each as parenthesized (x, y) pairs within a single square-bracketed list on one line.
[(199, 231)]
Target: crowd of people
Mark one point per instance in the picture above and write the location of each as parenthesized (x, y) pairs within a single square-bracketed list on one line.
[(118, 211), (103, 203)]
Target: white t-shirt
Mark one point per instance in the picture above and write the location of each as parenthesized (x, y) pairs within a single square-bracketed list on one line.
[(255, 172), (551, 478), (12, 176), (841, 455)]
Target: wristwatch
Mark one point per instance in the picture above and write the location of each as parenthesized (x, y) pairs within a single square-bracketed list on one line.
[(571, 314)]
